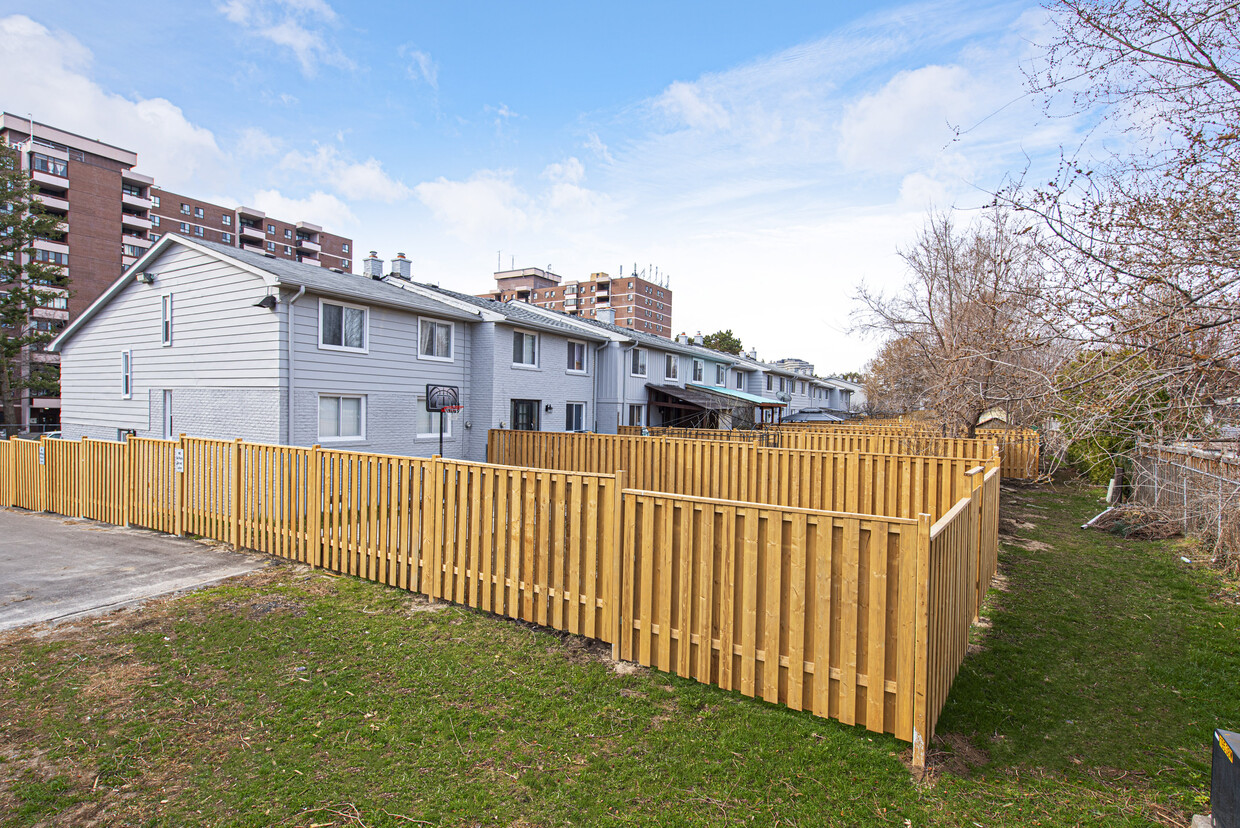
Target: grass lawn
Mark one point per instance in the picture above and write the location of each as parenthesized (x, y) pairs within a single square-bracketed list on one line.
[(293, 698)]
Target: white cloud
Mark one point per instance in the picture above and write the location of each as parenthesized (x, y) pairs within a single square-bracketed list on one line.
[(45, 74), (486, 205), (257, 143), (295, 25), (318, 207), (911, 119), (692, 106), (352, 179), (421, 66), (569, 171)]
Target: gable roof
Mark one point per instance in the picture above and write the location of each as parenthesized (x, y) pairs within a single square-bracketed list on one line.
[(664, 344), (276, 273)]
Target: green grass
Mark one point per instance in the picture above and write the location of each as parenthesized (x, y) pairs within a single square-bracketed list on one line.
[(293, 698)]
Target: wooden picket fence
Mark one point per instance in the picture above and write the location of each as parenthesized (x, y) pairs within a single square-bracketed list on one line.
[(857, 617)]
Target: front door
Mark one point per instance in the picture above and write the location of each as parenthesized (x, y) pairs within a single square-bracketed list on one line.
[(525, 415)]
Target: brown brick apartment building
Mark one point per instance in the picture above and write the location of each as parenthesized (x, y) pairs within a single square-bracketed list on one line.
[(249, 229), (639, 303), (111, 215)]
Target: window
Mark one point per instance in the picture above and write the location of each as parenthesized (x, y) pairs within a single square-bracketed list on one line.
[(271, 246), (781, 384), (671, 366), (155, 201), (574, 416), (770, 383), (226, 220), (577, 357), (271, 228), (344, 248), (155, 237), (434, 340), (51, 257), (168, 432), (49, 165), (126, 375), (635, 415), (198, 230), (56, 302), (154, 221), (740, 381), (638, 368), (524, 349), (166, 319), (342, 327), (226, 238), (288, 234), (346, 264), (132, 250), (185, 228), (131, 189), (342, 418), (426, 423), (721, 375), (288, 251), (197, 212), (185, 209), (699, 370)]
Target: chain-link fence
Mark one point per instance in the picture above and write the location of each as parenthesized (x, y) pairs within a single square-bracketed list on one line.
[(1198, 488)]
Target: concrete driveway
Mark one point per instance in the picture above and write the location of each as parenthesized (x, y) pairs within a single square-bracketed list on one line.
[(54, 568)]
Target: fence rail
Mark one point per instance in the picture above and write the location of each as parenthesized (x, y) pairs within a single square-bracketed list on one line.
[(856, 617)]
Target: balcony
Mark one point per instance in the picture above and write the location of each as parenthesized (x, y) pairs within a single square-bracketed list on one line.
[(129, 220), (53, 203), (54, 314), (55, 183), (308, 227), (136, 178), (137, 202), (252, 246), (252, 214), (52, 246), (308, 246), (252, 233)]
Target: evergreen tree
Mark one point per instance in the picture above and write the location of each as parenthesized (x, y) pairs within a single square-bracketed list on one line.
[(24, 283)]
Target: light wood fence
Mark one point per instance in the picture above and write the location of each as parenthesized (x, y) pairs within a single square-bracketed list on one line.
[(857, 617)]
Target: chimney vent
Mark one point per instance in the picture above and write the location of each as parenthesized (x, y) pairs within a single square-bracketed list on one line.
[(607, 315), (402, 267), (699, 339), (683, 339), (372, 266)]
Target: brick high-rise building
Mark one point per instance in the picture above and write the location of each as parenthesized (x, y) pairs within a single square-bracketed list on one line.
[(640, 303), (249, 229), (111, 215)]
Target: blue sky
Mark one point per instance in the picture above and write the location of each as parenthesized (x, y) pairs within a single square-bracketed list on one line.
[(766, 158)]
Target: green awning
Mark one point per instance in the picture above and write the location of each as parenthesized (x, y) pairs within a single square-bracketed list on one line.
[(754, 399)]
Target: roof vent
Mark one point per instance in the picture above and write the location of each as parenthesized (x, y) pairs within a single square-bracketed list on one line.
[(270, 255), (402, 267), (336, 270)]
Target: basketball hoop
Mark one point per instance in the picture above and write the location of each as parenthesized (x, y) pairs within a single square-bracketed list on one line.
[(451, 409)]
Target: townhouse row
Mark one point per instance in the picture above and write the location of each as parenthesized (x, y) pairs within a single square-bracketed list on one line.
[(206, 339)]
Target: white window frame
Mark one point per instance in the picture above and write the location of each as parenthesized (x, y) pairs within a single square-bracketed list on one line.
[(721, 376), (126, 375), (365, 349), (424, 320), (359, 438), (585, 357), (165, 319), (699, 371), (671, 361), (770, 382), (526, 366), (740, 381), (645, 362), (569, 406), (434, 421), (168, 425), (641, 414)]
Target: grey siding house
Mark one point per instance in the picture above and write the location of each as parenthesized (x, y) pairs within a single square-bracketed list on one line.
[(212, 341)]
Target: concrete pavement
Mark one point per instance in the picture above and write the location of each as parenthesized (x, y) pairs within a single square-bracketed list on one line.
[(54, 568)]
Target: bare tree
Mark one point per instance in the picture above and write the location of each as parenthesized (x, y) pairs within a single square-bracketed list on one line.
[(964, 327), (1147, 285)]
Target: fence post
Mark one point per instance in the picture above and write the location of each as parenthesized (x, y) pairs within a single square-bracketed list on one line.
[(178, 469), (83, 475), (617, 551), (126, 483), (234, 490), (976, 477), (314, 502), (921, 646), (10, 473), (45, 479), (436, 575)]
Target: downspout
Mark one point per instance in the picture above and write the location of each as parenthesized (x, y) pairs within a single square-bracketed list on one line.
[(291, 405), (597, 348)]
